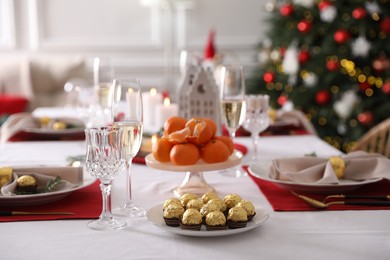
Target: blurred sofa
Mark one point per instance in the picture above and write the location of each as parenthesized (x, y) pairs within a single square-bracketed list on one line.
[(39, 79)]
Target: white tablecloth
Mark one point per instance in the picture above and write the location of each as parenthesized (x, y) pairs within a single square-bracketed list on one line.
[(285, 235)]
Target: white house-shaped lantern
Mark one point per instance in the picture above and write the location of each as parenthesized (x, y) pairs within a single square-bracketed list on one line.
[(199, 96)]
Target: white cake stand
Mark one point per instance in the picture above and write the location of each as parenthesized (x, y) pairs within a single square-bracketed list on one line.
[(194, 181)]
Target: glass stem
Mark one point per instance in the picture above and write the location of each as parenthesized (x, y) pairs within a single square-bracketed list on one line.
[(129, 201), (106, 207), (232, 133), (255, 141)]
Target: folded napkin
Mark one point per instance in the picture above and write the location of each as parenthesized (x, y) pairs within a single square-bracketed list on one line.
[(283, 200), (70, 177), (14, 124), (22, 121), (359, 166)]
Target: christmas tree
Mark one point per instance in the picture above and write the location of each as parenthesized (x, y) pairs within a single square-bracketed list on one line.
[(329, 59)]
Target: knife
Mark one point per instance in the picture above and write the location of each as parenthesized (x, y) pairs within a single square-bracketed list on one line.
[(21, 213)]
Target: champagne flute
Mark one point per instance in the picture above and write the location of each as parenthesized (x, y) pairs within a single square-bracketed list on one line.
[(232, 95), (256, 118), (104, 160), (103, 74), (127, 114)]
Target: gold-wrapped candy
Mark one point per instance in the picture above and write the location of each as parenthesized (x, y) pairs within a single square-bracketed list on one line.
[(5, 175), (191, 217), (59, 125), (26, 184)]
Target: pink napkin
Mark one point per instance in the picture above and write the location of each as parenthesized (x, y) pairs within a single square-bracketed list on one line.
[(359, 166)]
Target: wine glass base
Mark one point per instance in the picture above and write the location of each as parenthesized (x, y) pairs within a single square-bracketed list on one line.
[(195, 183), (235, 172), (111, 224), (129, 212)]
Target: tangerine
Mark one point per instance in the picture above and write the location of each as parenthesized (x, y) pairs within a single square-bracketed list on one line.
[(173, 124), (179, 136), (161, 150), (215, 151), (184, 154), (227, 141), (211, 124), (201, 131)]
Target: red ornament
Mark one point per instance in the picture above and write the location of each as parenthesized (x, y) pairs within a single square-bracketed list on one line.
[(365, 118), (209, 50), (381, 64), (386, 88), (286, 10), (282, 99), (332, 64), (385, 25), (359, 13), (304, 26), (323, 4), (269, 76), (303, 56), (322, 97), (282, 51), (363, 86), (341, 36)]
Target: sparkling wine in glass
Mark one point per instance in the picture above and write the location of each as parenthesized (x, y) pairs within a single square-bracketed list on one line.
[(105, 159), (232, 98), (256, 119), (127, 115)]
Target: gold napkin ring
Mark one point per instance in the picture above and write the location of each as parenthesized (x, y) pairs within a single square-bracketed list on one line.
[(338, 165)]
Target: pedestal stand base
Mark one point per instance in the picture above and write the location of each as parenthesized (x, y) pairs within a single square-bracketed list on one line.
[(195, 183)]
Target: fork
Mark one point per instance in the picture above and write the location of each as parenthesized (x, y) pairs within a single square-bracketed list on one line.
[(321, 205), (344, 196)]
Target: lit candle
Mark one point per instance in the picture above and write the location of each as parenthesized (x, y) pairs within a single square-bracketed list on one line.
[(147, 143), (150, 100), (131, 98), (165, 111)]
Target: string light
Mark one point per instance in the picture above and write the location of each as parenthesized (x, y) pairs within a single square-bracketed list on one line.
[(322, 121), (379, 82), (278, 86), (369, 92), (334, 89), (362, 78), (353, 123), (371, 80), (270, 86)]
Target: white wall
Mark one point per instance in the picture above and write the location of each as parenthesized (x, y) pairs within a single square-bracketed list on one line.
[(141, 41)]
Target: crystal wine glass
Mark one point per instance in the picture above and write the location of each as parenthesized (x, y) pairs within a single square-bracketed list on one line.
[(256, 118), (104, 160), (232, 95), (127, 114)]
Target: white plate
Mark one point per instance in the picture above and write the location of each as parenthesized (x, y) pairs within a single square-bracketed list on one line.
[(42, 198), (45, 131), (200, 166), (155, 216), (261, 170)]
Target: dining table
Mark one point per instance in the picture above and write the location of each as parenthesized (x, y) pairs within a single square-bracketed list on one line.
[(284, 234)]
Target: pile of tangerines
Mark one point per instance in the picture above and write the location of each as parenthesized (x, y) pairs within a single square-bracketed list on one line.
[(184, 142)]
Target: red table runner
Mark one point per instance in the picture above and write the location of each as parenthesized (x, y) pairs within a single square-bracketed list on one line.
[(283, 200), (86, 203)]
